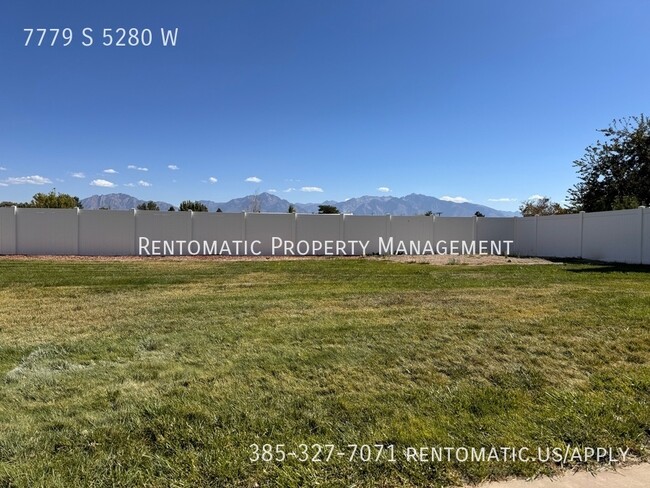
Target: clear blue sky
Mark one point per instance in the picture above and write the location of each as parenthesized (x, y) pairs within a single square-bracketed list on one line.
[(488, 101)]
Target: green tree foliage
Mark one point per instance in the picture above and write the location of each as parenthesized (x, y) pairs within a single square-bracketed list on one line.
[(195, 206), (327, 209), (615, 174), (54, 200), (8, 204), (171, 209), (150, 205), (541, 206), (219, 210), (478, 214), (428, 213), (292, 208)]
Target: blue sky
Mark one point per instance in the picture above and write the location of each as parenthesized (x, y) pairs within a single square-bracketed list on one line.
[(488, 102)]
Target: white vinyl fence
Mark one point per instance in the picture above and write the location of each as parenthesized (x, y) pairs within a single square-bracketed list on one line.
[(619, 236)]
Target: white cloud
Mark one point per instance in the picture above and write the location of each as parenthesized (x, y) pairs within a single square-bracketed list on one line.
[(3, 184), (383, 189), (138, 168), (103, 183), (253, 179), (311, 189), (454, 199), (129, 184), (2, 168), (212, 180), (110, 171), (502, 199), (272, 190), (78, 175), (289, 190), (173, 167), (143, 183), (28, 180), (536, 197)]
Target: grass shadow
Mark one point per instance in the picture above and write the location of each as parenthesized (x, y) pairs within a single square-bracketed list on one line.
[(601, 266)]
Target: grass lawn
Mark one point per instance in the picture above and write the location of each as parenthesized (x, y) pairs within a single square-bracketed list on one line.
[(165, 372)]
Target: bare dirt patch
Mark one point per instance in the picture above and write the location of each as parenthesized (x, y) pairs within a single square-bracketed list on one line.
[(436, 259), (474, 260)]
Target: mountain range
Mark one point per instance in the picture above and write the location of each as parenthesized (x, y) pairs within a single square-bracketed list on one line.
[(413, 204)]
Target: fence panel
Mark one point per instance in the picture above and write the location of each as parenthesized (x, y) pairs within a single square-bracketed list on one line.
[(417, 229), (525, 236), (559, 236), (448, 229), (224, 229), (270, 229), (47, 231), (107, 232), (497, 229), (367, 229), (319, 228), (160, 228), (612, 236)]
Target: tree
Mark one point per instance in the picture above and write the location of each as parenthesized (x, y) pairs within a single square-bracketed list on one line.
[(54, 200), (8, 204), (327, 209), (219, 210), (428, 213), (150, 205), (171, 209), (541, 206), (615, 174), (478, 214), (292, 208), (195, 206)]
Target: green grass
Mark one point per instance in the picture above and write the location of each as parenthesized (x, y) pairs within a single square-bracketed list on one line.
[(164, 372)]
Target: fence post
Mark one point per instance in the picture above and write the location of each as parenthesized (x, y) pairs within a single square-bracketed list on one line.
[(433, 232), (15, 229), (514, 236), (536, 237), (582, 231), (243, 227), (192, 225), (76, 251), (641, 212), (191, 232), (475, 231), (389, 226), (134, 250)]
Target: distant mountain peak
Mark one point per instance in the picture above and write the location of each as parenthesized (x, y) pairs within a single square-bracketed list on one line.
[(411, 204)]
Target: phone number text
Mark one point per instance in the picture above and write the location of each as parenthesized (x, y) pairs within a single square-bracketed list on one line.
[(322, 453)]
